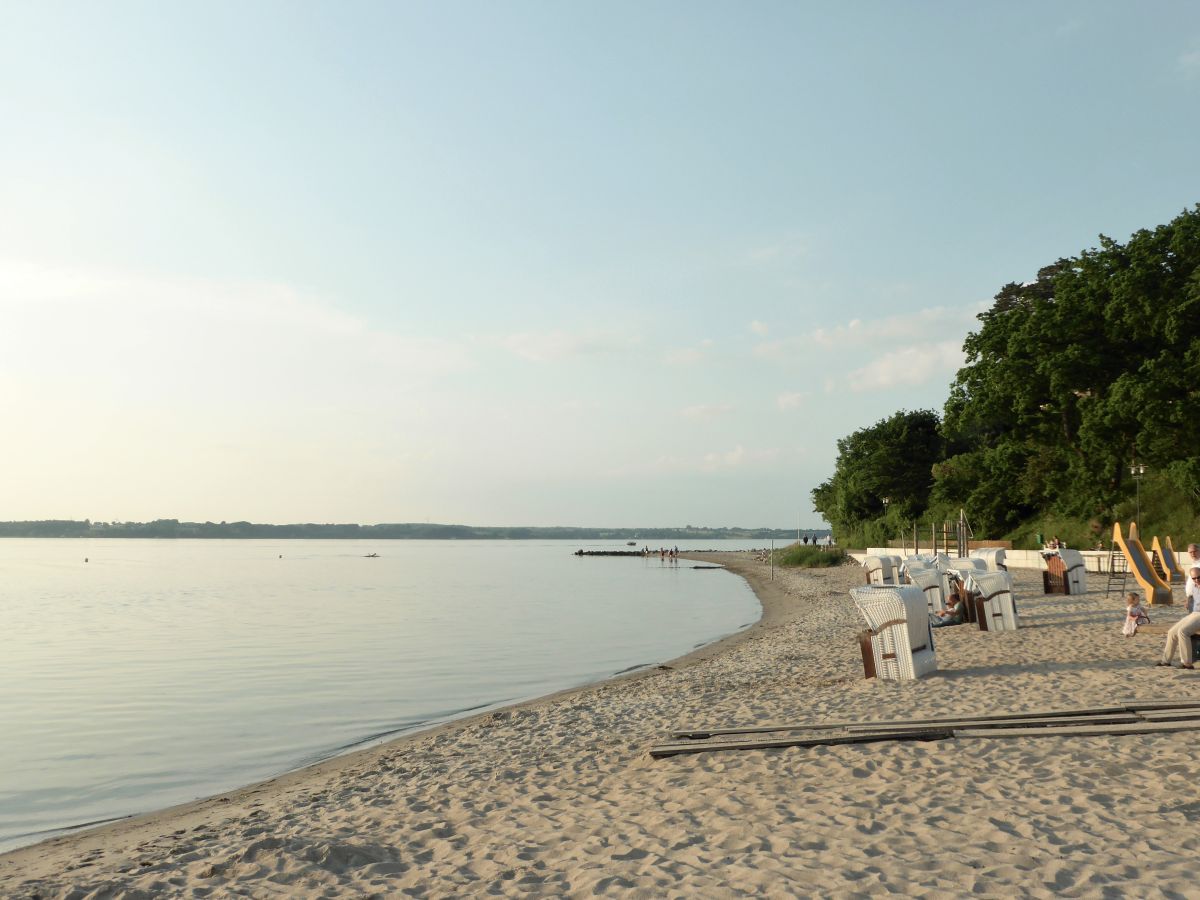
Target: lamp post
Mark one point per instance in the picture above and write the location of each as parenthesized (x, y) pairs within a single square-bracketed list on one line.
[(885, 501), (1137, 470)]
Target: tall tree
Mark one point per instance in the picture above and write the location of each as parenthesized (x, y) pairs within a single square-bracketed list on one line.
[(893, 458)]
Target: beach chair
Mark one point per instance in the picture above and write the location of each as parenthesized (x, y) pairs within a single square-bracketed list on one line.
[(1076, 571), (990, 593), (898, 645), (1065, 572), (930, 583), (993, 556), (882, 569)]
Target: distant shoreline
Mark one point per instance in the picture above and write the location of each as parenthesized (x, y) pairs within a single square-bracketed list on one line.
[(172, 528)]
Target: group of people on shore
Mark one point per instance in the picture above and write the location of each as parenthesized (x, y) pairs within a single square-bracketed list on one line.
[(671, 553)]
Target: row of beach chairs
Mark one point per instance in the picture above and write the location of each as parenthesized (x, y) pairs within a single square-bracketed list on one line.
[(900, 595)]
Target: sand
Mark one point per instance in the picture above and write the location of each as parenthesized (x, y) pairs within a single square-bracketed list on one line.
[(560, 797)]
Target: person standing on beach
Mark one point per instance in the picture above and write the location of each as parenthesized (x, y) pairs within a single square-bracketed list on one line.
[(1193, 552), (1179, 638), (1191, 590)]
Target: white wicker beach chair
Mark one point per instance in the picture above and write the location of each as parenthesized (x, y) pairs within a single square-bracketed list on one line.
[(964, 564), (993, 556), (999, 607), (1076, 571), (882, 569), (930, 583), (899, 636)]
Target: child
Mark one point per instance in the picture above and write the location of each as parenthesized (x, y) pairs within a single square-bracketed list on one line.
[(1135, 615)]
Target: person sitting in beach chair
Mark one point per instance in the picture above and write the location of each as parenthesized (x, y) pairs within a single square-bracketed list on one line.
[(951, 615)]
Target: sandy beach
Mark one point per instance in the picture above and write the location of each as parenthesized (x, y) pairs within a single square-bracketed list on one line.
[(560, 798)]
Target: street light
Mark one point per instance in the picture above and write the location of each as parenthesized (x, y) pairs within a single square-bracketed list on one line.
[(1137, 470)]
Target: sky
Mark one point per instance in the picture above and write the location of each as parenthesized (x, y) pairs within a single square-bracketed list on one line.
[(536, 263)]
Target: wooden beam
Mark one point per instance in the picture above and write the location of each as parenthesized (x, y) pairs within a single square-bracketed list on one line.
[(928, 734), (1078, 730), (702, 733), (1030, 721)]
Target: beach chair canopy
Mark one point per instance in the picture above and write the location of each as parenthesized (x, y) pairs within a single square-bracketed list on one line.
[(993, 556), (1076, 572), (882, 569), (901, 638), (930, 583), (999, 612)]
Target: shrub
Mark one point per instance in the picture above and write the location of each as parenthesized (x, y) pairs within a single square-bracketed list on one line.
[(808, 557)]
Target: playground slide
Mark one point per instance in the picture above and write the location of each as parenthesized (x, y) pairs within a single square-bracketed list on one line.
[(1174, 557), (1168, 565), (1157, 592)]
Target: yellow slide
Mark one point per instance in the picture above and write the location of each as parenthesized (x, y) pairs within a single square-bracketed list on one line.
[(1157, 592), (1168, 564)]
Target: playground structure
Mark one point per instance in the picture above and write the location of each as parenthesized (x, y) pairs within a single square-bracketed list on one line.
[(1168, 563), (1157, 591)]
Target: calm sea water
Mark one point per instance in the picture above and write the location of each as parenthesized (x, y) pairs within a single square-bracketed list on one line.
[(162, 671)]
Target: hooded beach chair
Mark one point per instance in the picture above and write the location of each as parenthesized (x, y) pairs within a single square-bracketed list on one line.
[(1076, 571), (882, 569), (930, 583), (992, 596), (898, 645), (1065, 572), (993, 556)]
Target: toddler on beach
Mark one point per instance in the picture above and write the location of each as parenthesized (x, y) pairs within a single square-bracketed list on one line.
[(1135, 615)]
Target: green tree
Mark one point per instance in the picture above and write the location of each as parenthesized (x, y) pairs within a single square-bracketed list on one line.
[(893, 458)]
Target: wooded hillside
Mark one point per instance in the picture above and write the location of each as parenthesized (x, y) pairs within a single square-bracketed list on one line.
[(1069, 380)]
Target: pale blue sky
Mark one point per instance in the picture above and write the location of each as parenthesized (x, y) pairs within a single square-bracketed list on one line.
[(535, 263)]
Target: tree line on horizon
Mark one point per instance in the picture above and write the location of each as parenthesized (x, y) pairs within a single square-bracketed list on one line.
[(173, 528), (1069, 381)]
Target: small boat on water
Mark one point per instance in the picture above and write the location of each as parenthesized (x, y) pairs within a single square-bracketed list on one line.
[(631, 543), (371, 556)]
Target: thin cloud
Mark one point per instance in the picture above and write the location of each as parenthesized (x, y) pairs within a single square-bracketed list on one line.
[(689, 356), (1189, 63), (706, 411), (736, 458), (759, 328), (786, 249), (940, 322), (708, 463), (193, 322), (907, 367), (793, 400), (557, 346)]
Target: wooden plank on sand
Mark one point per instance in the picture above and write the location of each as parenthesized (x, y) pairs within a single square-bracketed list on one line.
[(703, 733), (1030, 721), (925, 734), (1139, 705), (1078, 730), (1168, 715)]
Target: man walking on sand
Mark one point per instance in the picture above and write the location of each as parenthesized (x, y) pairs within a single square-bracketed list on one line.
[(1179, 638)]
